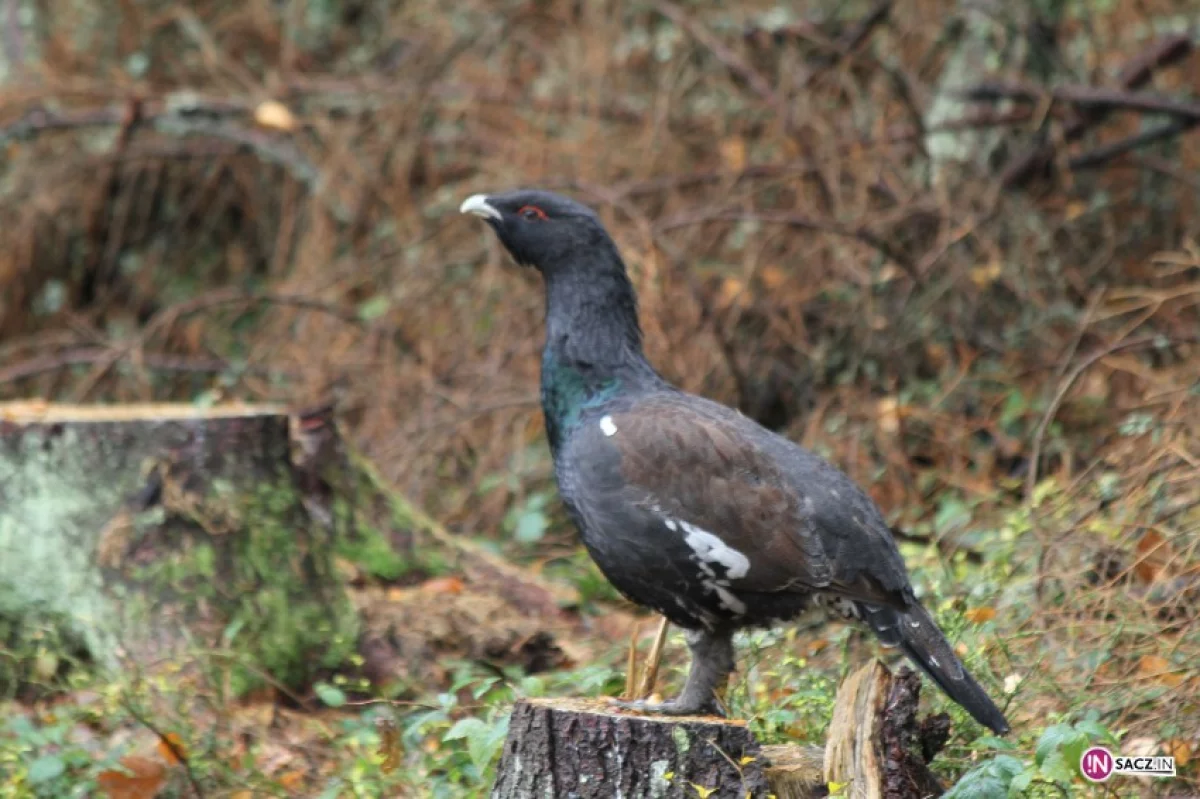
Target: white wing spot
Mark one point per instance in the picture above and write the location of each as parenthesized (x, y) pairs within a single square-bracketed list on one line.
[(713, 550), (914, 624), (607, 426)]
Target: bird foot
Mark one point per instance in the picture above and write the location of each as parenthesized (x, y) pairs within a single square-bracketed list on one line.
[(673, 707)]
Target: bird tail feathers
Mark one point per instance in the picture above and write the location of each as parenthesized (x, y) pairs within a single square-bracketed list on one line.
[(918, 636)]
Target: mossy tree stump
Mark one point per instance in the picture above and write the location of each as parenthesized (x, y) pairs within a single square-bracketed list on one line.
[(588, 748), (139, 533)]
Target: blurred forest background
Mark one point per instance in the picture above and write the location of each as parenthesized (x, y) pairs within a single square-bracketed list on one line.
[(952, 246)]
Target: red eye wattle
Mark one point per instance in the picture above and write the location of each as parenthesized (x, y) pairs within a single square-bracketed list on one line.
[(532, 213)]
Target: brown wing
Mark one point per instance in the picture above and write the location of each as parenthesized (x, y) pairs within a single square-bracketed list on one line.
[(702, 464)]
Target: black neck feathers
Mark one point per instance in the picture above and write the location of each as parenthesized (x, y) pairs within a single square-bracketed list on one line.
[(593, 346)]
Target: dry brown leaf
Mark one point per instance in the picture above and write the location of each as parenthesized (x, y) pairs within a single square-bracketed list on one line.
[(888, 409), (985, 275), (1153, 555), (1159, 669), (145, 778), (733, 153), (170, 748), (1181, 750), (773, 277), (732, 291), (980, 615), (443, 585), (1075, 209), (275, 115), (292, 780)]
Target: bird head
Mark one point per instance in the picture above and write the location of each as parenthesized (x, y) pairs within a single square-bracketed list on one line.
[(547, 231)]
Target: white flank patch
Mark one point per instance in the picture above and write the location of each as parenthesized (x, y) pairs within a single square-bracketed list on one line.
[(671, 525), (713, 550), (607, 426)]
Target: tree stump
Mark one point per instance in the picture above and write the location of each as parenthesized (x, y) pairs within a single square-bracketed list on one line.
[(876, 745), (588, 748), (137, 532)]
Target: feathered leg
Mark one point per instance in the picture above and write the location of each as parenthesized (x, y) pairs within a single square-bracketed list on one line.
[(712, 663)]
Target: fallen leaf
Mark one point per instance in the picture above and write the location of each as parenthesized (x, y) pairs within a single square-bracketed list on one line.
[(733, 153), (1153, 555), (170, 748), (443, 585), (1181, 750), (1075, 209), (980, 615), (144, 779), (293, 781), (731, 292), (703, 792), (772, 277), (1159, 669), (275, 115), (986, 274), (888, 409)]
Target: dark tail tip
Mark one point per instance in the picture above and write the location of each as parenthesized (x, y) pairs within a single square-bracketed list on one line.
[(919, 638), (959, 685)]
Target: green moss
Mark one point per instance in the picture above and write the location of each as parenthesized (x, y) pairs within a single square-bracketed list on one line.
[(371, 551), (247, 569), (293, 620)]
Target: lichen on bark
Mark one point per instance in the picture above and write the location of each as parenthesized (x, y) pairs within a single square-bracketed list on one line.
[(158, 539)]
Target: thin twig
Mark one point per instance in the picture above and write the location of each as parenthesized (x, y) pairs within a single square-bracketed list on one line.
[(851, 38), (169, 316), (797, 221), (1107, 152), (159, 361), (1086, 97), (1064, 387), (752, 77)]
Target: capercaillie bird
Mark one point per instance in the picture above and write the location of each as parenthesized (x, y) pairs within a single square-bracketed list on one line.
[(687, 506)]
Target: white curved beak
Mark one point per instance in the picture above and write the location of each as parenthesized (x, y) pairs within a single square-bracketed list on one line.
[(478, 204)]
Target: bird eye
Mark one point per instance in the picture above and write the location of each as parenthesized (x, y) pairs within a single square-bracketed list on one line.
[(532, 213)]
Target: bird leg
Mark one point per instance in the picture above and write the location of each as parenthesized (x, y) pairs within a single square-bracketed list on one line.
[(712, 662)]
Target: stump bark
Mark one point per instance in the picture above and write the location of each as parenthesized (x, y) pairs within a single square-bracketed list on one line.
[(876, 749), (586, 748), (138, 532)]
